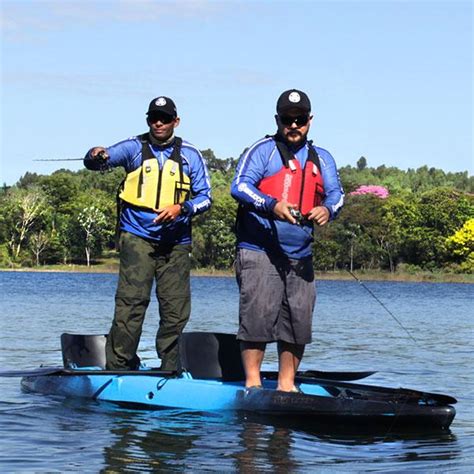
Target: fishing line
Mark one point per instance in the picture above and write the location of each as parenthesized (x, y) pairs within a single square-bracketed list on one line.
[(377, 299), (384, 307)]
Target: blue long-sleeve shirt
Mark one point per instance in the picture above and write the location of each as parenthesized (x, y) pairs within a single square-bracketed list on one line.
[(257, 226), (139, 221)]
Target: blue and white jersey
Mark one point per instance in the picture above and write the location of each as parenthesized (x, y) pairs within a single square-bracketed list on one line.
[(257, 227), (139, 221)]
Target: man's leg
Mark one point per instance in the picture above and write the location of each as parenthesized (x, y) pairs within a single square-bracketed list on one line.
[(261, 292), (131, 301), (289, 358), (252, 358), (173, 291), (295, 320)]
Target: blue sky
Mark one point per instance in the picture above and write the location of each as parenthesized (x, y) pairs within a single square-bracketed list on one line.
[(389, 80)]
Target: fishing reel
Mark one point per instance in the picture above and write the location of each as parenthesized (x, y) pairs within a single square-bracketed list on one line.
[(296, 214), (102, 155), (102, 158)]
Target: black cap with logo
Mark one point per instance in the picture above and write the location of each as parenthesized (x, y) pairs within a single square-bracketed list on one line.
[(163, 105), (293, 99)]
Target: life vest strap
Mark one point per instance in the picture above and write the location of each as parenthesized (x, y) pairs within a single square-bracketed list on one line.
[(287, 156)]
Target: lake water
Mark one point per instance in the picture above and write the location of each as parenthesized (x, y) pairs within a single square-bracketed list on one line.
[(352, 331)]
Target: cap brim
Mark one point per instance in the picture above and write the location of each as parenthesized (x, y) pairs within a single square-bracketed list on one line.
[(161, 112), (293, 107)]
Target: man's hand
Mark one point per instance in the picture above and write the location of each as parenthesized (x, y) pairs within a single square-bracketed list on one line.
[(99, 153), (167, 214), (282, 211), (319, 214)]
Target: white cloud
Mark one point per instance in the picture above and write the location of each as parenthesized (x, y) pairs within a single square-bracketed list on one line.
[(131, 84), (22, 20)]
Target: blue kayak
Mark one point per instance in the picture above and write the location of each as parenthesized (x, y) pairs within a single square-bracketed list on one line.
[(212, 379)]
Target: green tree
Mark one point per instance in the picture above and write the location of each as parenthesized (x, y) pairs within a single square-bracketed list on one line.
[(213, 236), (62, 187), (416, 225), (440, 212), (361, 163)]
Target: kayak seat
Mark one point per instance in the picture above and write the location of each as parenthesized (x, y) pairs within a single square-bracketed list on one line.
[(83, 350), (207, 355)]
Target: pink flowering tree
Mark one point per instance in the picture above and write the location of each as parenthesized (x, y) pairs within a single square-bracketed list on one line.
[(378, 191)]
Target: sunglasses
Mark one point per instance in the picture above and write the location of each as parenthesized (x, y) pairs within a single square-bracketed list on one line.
[(163, 118), (300, 120)]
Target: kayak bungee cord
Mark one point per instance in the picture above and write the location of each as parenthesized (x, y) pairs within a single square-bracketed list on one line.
[(384, 307), (102, 388)]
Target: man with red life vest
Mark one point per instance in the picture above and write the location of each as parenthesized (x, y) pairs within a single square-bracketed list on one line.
[(167, 183), (284, 185)]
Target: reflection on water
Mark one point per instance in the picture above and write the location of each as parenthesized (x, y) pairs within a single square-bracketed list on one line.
[(118, 440), (179, 440), (265, 448), (351, 332), (60, 433)]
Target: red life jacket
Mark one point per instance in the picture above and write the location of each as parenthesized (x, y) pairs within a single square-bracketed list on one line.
[(293, 184)]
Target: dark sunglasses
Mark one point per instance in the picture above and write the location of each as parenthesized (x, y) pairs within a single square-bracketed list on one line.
[(163, 118), (300, 120)]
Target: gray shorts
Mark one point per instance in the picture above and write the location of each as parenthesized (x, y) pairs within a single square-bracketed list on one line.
[(277, 298)]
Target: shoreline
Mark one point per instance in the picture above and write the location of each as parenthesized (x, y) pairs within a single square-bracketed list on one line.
[(340, 275)]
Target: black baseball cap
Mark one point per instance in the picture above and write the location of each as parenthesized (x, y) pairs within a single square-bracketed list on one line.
[(162, 105), (293, 99)]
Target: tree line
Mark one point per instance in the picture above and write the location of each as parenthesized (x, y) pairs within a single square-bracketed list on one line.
[(416, 219)]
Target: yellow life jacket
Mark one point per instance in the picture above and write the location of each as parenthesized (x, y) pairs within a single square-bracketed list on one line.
[(154, 188)]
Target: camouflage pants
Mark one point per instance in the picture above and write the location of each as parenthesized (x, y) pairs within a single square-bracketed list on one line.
[(142, 262)]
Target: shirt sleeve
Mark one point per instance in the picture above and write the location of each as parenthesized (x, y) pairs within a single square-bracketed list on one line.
[(250, 171), (334, 193), (125, 153), (200, 183)]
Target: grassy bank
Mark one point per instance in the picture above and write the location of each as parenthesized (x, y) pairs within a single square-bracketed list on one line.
[(110, 265)]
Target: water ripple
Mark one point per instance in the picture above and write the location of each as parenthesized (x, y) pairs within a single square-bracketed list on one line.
[(351, 332)]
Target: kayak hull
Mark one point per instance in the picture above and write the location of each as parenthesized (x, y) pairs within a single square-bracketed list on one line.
[(211, 378), (322, 403)]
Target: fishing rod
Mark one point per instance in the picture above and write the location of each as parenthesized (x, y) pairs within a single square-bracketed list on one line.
[(384, 307), (101, 156), (62, 159)]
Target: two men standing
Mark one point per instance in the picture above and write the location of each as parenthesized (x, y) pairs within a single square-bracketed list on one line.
[(283, 184)]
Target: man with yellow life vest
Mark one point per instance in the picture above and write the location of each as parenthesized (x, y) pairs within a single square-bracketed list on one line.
[(284, 185), (167, 183)]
